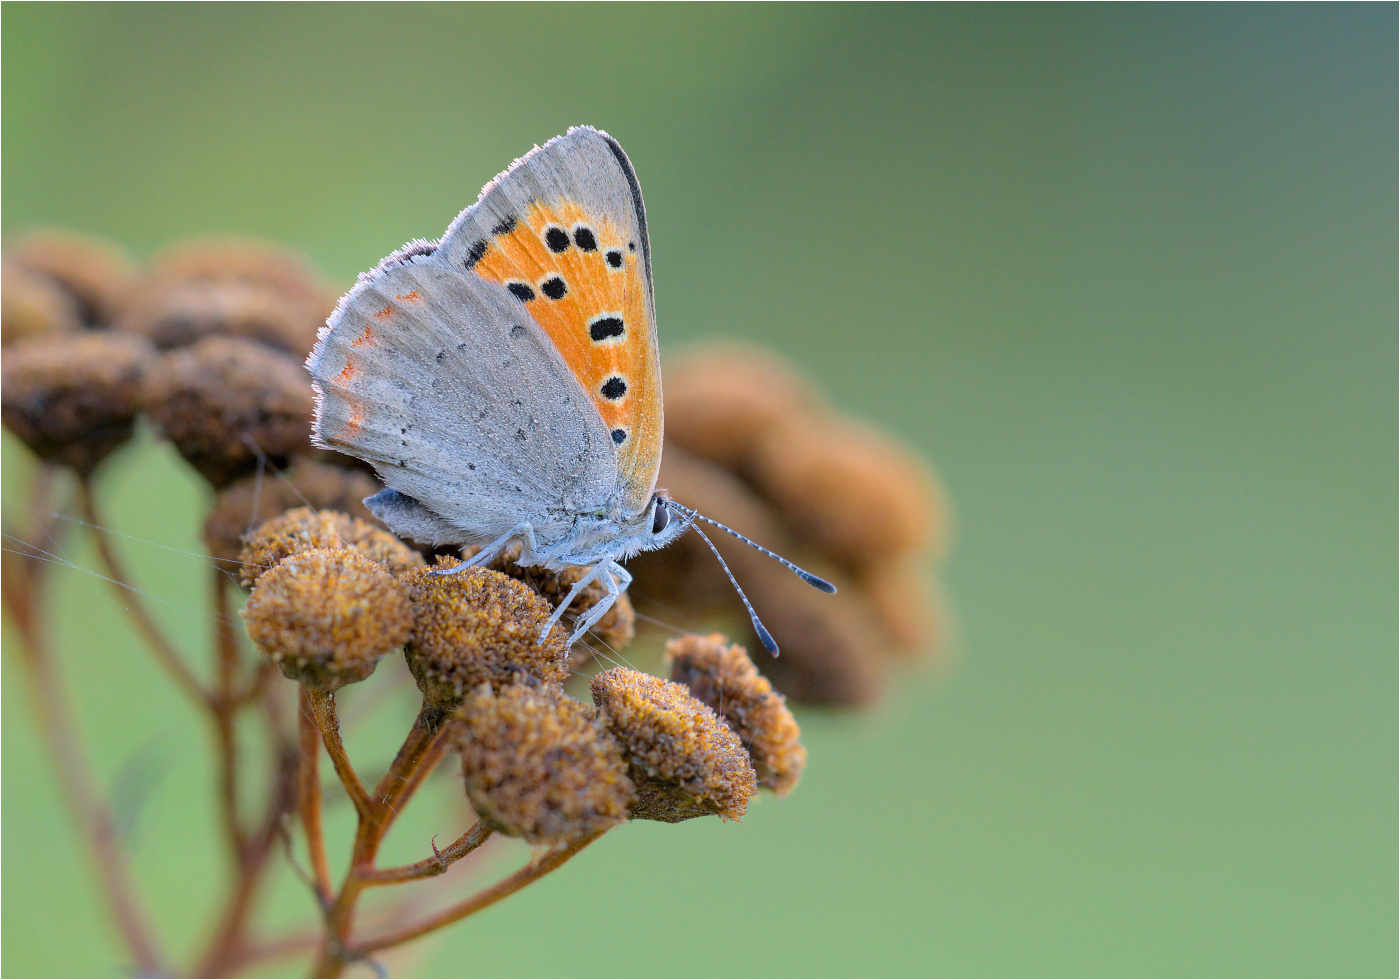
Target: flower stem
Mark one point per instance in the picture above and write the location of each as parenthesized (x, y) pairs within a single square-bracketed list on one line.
[(322, 705), (433, 866), (309, 792), (421, 750), (486, 897), (223, 710)]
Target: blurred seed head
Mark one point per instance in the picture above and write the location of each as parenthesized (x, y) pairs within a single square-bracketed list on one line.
[(721, 401), (850, 490), (230, 288), (95, 276), (32, 305), (73, 398), (209, 399), (683, 760), (303, 529), (617, 627), (247, 502), (722, 677), (538, 765), (326, 617), (479, 627)]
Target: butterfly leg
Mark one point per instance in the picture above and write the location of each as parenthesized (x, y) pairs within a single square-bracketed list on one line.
[(615, 579), (579, 586), (489, 553)]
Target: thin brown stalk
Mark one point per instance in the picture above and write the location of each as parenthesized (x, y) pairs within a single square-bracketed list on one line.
[(309, 785), (223, 707), (483, 899), (322, 705), (416, 759), (433, 866), (417, 754), (58, 732), (129, 598)]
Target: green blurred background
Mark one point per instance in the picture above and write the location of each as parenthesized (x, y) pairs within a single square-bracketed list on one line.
[(1126, 274)]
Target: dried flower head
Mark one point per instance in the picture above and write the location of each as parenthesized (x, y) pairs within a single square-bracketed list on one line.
[(32, 305), (303, 529), (97, 276), (723, 677), (684, 761), (73, 399), (538, 765), (616, 628), (233, 289), (479, 627), (326, 617), (222, 397), (245, 503)]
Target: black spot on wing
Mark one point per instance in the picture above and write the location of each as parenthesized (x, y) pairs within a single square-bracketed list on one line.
[(619, 436), (475, 253), (556, 238), (505, 226), (614, 258), (605, 327), (554, 287), (614, 388), (585, 239), (521, 291)]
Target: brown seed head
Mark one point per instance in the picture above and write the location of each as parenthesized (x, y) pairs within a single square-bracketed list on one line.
[(32, 305), (479, 627), (724, 678), (616, 628), (538, 765), (74, 398), (97, 276), (685, 762), (212, 398), (303, 529), (230, 288), (245, 503), (326, 617)]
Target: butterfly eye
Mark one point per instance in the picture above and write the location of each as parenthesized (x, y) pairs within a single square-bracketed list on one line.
[(660, 518)]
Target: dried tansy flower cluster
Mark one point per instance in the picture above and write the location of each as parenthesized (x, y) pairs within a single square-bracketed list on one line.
[(206, 341), (538, 765), (326, 617)]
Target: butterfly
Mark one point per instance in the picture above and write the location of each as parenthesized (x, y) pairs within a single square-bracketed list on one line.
[(505, 383)]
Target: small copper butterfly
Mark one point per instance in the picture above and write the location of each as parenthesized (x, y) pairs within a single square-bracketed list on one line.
[(504, 381)]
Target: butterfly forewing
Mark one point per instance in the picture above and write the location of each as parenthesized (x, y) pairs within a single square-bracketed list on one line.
[(564, 232)]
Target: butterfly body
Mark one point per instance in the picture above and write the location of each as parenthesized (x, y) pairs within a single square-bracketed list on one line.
[(504, 382)]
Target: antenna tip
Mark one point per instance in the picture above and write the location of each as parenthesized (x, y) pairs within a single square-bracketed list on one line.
[(816, 582), (765, 637)]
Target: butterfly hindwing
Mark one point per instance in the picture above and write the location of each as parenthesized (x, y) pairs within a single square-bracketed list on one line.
[(441, 382)]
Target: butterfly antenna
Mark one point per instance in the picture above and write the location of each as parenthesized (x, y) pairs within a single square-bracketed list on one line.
[(765, 637), (814, 581)]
